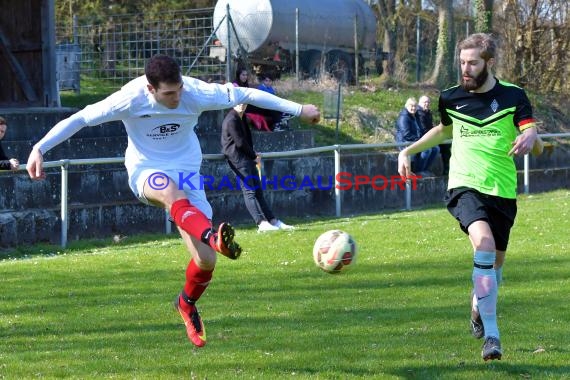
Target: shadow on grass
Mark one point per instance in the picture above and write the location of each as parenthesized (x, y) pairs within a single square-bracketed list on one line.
[(51, 250), (495, 369)]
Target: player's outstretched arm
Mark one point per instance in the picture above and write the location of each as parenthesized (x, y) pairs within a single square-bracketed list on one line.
[(35, 165), (433, 137), (310, 114)]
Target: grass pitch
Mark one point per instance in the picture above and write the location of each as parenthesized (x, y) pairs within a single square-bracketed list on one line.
[(100, 310)]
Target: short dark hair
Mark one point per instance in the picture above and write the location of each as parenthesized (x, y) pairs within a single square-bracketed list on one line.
[(2, 121), (484, 41), (162, 68)]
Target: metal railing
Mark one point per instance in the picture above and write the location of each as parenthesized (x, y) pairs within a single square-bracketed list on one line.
[(64, 165)]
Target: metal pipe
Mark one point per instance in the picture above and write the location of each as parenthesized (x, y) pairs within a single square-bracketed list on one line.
[(297, 44), (356, 52), (408, 195), (337, 194), (526, 174), (64, 212), (229, 47)]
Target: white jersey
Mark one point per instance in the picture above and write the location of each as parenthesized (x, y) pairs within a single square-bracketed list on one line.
[(158, 137)]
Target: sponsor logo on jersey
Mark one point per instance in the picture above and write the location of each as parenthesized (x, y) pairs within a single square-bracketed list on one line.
[(483, 132), (495, 105), (164, 131)]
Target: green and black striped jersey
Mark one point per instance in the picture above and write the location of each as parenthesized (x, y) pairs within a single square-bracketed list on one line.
[(485, 126)]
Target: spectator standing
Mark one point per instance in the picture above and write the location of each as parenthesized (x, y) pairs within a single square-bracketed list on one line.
[(237, 146), (408, 130), (6, 163)]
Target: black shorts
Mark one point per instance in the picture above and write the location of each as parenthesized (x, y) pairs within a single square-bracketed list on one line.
[(468, 206)]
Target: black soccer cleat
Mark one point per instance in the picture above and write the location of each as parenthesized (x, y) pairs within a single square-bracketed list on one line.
[(477, 328), (491, 349)]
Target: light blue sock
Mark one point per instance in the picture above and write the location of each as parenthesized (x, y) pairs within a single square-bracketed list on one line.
[(485, 285), (499, 275)]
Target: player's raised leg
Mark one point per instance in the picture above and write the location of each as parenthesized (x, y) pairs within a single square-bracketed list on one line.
[(188, 216), (191, 213), (476, 324)]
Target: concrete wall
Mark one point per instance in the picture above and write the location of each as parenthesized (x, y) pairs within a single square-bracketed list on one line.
[(101, 204)]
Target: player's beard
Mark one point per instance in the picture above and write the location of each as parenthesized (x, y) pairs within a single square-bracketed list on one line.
[(477, 82)]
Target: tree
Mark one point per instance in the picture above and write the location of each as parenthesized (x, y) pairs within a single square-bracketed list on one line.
[(387, 18), (536, 44), (483, 16), (102, 9), (442, 75)]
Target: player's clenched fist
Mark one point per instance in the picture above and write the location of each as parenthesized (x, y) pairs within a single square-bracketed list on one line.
[(310, 114)]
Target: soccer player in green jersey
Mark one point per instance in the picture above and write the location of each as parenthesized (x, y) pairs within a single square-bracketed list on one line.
[(489, 121)]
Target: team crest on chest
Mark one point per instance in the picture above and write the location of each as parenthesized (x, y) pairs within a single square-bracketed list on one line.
[(495, 105)]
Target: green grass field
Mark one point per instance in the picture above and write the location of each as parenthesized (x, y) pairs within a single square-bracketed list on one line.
[(99, 310)]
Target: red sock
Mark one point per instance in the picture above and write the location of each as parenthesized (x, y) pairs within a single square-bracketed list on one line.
[(191, 220), (197, 280)]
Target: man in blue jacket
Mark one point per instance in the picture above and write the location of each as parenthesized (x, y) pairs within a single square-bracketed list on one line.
[(408, 131)]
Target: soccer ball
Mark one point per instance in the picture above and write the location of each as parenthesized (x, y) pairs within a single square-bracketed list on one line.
[(334, 250)]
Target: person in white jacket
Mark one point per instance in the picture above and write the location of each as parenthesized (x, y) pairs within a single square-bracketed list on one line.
[(160, 111)]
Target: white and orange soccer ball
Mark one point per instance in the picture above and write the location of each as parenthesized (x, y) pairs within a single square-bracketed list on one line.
[(334, 251)]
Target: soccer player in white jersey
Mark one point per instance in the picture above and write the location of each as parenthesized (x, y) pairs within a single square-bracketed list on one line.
[(160, 111)]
